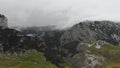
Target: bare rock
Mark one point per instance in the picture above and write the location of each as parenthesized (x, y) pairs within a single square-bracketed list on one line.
[(3, 22)]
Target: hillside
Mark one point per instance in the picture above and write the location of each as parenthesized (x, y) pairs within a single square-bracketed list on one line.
[(93, 43), (88, 44), (83, 43), (31, 59)]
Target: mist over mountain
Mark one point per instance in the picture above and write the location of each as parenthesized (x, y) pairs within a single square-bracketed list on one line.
[(89, 44), (59, 34), (63, 13)]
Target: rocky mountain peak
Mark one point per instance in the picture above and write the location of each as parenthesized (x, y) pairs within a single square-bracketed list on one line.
[(83, 39), (93, 30), (3, 22)]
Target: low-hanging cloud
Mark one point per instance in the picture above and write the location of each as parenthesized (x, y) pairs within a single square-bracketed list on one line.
[(62, 13)]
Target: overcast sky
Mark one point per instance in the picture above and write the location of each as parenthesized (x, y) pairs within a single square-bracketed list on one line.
[(58, 12)]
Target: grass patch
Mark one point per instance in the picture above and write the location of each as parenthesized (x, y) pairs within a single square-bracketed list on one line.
[(32, 59), (111, 54)]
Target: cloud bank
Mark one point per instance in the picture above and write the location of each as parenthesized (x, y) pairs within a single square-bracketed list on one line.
[(62, 13)]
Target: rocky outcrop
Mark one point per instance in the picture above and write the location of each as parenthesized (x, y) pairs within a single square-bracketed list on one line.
[(93, 30), (3, 22), (80, 37), (13, 42), (86, 59), (52, 41)]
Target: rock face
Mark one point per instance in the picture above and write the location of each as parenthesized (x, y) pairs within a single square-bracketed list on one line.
[(52, 41), (3, 22), (75, 41), (93, 30), (13, 42)]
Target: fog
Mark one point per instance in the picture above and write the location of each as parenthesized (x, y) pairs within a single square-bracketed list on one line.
[(63, 13)]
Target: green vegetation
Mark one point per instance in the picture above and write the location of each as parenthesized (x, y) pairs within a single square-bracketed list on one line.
[(32, 59), (109, 51), (111, 54)]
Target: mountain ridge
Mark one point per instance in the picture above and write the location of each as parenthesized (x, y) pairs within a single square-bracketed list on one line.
[(88, 44)]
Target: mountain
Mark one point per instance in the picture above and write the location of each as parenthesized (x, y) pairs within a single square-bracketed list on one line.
[(92, 44), (3, 21), (35, 29), (21, 51), (52, 41), (94, 30), (88, 44), (13, 41)]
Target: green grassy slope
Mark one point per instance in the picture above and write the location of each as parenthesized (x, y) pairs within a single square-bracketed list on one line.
[(111, 54), (32, 59)]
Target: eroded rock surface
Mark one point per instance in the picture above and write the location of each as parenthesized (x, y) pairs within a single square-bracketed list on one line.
[(12, 41), (3, 22), (85, 35), (93, 30)]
